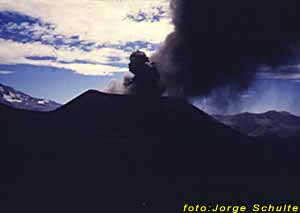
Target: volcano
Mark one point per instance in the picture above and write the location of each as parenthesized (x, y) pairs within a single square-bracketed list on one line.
[(127, 153)]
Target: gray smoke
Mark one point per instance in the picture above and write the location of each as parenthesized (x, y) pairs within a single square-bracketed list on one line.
[(116, 86), (221, 44)]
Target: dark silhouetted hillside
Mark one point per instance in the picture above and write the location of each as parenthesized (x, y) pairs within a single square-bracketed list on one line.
[(114, 153)]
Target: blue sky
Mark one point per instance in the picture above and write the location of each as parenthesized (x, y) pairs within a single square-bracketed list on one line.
[(58, 50)]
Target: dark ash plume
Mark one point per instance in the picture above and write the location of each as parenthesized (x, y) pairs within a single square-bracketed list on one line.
[(217, 43), (144, 82)]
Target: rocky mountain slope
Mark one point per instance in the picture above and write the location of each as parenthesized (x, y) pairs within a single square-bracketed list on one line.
[(14, 98), (272, 125)]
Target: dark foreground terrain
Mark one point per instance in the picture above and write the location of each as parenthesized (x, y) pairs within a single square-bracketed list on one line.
[(113, 153)]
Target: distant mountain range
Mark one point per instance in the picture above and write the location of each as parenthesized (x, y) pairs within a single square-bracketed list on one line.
[(14, 98), (272, 125)]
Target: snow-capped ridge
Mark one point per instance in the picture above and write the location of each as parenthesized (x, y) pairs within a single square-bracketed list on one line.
[(17, 99)]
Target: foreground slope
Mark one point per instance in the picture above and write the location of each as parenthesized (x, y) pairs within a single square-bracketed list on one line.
[(114, 153)]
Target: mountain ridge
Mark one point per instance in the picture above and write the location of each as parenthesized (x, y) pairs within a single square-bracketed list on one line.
[(271, 124), (17, 99)]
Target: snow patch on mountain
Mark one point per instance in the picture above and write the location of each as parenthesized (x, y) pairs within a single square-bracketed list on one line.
[(11, 99), (43, 102), (14, 98)]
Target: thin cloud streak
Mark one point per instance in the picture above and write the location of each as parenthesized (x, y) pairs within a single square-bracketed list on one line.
[(5, 72)]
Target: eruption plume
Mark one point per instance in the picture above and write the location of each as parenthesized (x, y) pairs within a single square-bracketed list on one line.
[(216, 44)]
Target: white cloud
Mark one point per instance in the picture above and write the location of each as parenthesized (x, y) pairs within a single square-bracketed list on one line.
[(23, 50), (286, 72), (96, 20), (289, 76), (281, 75), (5, 72)]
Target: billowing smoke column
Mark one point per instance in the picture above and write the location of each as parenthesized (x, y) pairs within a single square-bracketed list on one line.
[(145, 81), (146, 78), (218, 43)]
